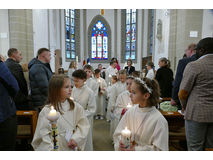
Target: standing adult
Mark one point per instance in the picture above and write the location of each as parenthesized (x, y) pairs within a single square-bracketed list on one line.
[(8, 123), (164, 76), (39, 75), (129, 68), (15, 57), (190, 56), (196, 97)]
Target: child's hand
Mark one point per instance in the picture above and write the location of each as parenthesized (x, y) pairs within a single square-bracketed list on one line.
[(122, 147), (72, 144)]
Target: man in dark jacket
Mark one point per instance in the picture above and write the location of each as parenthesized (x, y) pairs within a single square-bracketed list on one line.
[(15, 57), (39, 75), (8, 127), (191, 56)]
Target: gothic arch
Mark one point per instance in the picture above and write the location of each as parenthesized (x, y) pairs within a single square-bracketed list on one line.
[(93, 22)]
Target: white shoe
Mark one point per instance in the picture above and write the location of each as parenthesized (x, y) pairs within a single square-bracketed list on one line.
[(96, 117), (101, 117)]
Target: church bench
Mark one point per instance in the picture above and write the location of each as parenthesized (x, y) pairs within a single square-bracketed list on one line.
[(26, 126)]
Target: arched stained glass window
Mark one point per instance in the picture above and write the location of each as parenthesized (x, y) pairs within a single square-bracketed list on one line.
[(130, 34), (99, 42), (70, 33)]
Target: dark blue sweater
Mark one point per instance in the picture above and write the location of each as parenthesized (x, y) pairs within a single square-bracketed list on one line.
[(8, 90)]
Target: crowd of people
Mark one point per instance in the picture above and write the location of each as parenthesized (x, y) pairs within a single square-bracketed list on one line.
[(123, 97)]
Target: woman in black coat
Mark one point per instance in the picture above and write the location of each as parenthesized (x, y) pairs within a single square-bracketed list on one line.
[(164, 76)]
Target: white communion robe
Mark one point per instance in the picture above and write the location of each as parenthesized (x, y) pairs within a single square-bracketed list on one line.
[(71, 120), (149, 129), (101, 98), (150, 74), (93, 85), (85, 97), (110, 71), (117, 89), (122, 101)]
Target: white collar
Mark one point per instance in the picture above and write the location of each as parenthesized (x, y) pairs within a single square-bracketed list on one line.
[(205, 56)]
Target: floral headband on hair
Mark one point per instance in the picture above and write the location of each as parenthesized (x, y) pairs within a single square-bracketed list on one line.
[(144, 84)]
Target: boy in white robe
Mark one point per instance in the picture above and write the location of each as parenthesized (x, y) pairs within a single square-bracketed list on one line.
[(123, 102), (72, 124), (148, 127), (90, 82), (109, 90), (117, 89), (101, 97), (85, 97)]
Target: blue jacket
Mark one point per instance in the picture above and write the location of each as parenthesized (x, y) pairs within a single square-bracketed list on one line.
[(39, 75), (8, 90), (179, 75)]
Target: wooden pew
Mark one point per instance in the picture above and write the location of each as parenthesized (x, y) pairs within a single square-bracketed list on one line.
[(27, 121)]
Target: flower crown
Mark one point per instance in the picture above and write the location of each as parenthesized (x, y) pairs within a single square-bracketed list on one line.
[(144, 84)]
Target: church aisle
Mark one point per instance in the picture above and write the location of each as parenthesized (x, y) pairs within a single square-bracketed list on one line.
[(101, 138)]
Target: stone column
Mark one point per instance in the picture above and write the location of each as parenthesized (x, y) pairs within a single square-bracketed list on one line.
[(21, 32)]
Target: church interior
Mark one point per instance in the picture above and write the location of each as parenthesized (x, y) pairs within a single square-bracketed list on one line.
[(95, 36)]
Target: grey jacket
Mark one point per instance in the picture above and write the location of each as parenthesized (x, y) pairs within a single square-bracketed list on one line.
[(196, 90), (39, 75)]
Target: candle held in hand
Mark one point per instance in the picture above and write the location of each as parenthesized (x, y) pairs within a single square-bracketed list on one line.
[(126, 135), (52, 116), (128, 106)]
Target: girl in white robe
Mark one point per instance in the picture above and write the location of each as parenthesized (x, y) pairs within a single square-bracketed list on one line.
[(149, 129), (117, 89), (122, 101), (73, 126), (101, 97), (71, 69), (85, 97)]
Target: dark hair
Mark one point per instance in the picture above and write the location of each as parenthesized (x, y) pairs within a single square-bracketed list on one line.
[(97, 71), (99, 64), (54, 92), (130, 77), (41, 50), (153, 100), (112, 62), (87, 66), (81, 74), (114, 77), (166, 61), (11, 51), (151, 64), (61, 70), (114, 59)]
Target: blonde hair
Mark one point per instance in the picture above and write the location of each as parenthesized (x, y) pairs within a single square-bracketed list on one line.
[(72, 64)]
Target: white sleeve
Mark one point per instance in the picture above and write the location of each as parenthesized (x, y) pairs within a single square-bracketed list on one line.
[(119, 106), (42, 138), (91, 108), (82, 128), (117, 134), (112, 98)]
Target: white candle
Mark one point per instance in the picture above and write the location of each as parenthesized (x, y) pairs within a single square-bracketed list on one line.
[(126, 137), (128, 106), (110, 76), (53, 115), (76, 59), (72, 98), (52, 112)]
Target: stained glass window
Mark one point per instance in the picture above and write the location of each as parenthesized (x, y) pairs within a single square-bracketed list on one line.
[(70, 33), (99, 42), (130, 43)]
